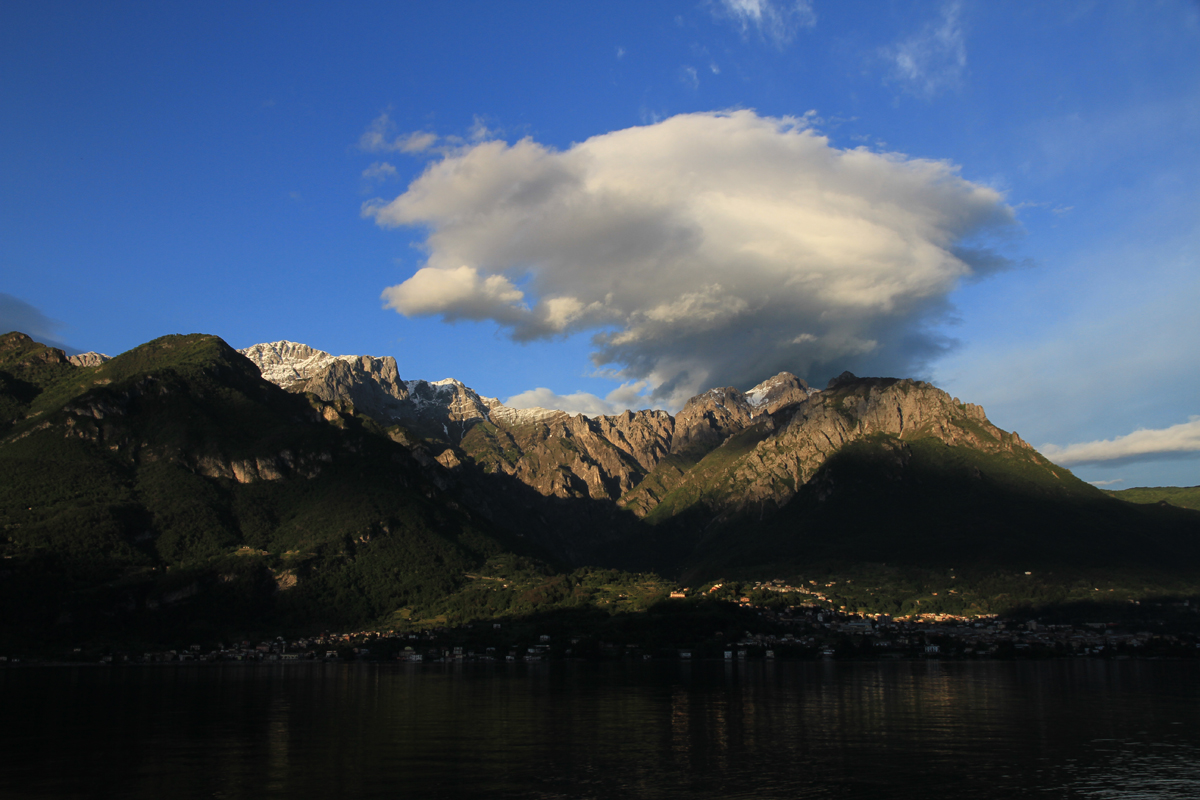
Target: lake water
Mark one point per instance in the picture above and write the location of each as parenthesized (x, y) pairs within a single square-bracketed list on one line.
[(1092, 729)]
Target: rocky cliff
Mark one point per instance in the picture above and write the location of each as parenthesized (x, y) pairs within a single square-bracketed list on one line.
[(372, 386), (175, 476), (89, 359), (726, 450), (768, 463)]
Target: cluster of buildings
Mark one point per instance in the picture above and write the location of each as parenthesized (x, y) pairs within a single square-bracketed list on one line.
[(805, 631), (795, 632), (837, 634)]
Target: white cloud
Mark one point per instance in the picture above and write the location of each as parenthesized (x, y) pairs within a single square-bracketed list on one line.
[(775, 20), (688, 77), (934, 59), (376, 139), (1107, 483), (480, 132), (457, 294), (1141, 445), (706, 249), (379, 171), (623, 397), (620, 53)]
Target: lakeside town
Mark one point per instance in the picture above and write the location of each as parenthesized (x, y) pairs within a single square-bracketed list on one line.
[(809, 631)]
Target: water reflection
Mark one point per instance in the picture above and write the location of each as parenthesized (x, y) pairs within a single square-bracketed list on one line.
[(920, 729)]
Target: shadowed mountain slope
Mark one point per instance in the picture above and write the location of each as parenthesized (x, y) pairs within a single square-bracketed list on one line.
[(174, 490), (172, 486)]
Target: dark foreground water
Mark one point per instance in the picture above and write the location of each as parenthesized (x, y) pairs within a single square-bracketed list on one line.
[(798, 730)]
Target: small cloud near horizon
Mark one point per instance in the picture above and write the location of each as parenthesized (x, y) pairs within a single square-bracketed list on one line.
[(1144, 444), (624, 397)]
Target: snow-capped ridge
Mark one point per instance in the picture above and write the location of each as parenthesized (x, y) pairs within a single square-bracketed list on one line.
[(286, 362), (776, 392), (448, 406)]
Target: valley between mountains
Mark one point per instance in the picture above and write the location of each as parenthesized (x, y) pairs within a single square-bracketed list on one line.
[(186, 486)]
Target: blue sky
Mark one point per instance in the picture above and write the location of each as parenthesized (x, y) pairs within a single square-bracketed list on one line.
[(594, 207)]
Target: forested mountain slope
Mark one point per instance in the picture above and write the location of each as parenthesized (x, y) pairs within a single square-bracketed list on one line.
[(173, 488)]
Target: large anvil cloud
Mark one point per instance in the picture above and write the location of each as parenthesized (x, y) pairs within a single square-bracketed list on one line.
[(706, 249)]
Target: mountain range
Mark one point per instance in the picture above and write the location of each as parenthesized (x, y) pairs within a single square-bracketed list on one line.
[(186, 484)]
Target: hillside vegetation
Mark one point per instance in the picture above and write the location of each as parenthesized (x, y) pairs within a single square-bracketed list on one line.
[(1181, 496), (172, 489), (173, 492)]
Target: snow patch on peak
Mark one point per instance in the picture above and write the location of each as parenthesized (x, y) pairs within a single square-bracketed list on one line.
[(775, 392), (285, 362), (760, 394)]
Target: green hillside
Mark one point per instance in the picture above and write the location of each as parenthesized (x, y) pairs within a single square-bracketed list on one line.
[(171, 491), (893, 513), (1181, 496)]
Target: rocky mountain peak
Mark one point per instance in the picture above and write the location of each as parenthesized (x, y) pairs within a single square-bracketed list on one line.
[(89, 359), (709, 419), (284, 363), (782, 390), (440, 409), (844, 378), (458, 401), (639, 458)]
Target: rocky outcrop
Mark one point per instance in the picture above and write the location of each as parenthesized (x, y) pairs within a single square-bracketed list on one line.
[(709, 419), (438, 409), (777, 393), (371, 385), (610, 457), (89, 359), (573, 456), (851, 409), (645, 436), (726, 448), (273, 467), (285, 363)]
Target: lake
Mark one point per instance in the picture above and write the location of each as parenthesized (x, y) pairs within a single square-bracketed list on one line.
[(661, 729)]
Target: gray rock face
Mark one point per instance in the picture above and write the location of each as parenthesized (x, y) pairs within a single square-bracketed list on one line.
[(568, 456), (438, 409), (89, 359), (645, 436), (285, 363), (371, 385), (762, 452), (771, 439), (709, 419), (610, 457), (776, 393), (852, 409)]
